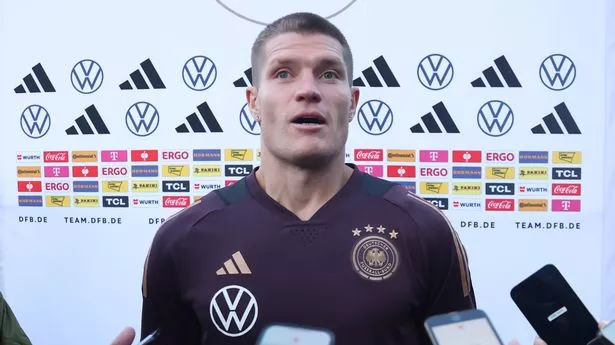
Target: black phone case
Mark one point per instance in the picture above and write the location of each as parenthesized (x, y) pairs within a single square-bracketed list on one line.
[(546, 292)]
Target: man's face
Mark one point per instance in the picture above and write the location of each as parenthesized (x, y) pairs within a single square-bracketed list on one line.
[(303, 100)]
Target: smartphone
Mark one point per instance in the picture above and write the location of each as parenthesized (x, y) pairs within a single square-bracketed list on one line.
[(282, 334), (553, 309), (467, 327)]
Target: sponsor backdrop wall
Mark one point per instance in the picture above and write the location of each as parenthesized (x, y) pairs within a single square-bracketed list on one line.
[(117, 115)]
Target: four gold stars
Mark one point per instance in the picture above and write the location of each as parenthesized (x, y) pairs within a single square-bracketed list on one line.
[(381, 230)]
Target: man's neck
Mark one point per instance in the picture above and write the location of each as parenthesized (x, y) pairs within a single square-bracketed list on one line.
[(302, 191)]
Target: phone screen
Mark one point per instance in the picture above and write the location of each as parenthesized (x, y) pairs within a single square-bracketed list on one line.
[(466, 332), (294, 335), (553, 309)]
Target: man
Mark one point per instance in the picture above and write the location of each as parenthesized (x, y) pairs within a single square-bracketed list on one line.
[(11, 332), (305, 239)]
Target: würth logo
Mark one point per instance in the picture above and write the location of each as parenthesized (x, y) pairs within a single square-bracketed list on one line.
[(492, 77), (235, 265), (372, 78), (554, 127), (432, 125), (30, 81), (84, 125), (195, 125), (139, 80), (244, 81)]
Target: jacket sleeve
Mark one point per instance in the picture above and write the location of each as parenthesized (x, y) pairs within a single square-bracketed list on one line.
[(11, 332)]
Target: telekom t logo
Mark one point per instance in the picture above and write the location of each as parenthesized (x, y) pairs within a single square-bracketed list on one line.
[(566, 205), (56, 172), (114, 155), (433, 156), (369, 170)]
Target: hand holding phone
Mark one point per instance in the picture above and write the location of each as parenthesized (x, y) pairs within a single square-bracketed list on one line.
[(468, 327)]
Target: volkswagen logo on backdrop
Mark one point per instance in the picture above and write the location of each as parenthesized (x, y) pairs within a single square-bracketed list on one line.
[(199, 73), (87, 76), (142, 119), (495, 118), (435, 72), (558, 72), (248, 123), (375, 117), (35, 121)]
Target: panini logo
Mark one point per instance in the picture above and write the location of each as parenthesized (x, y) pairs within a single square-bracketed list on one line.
[(85, 156), (146, 187), (467, 188), (175, 170), (85, 186), (467, 172), (238, 154), (467, 204), (30, 201), (150, 202), (28, 157), (533, 173), (87, 201), (569, 157), (533, 189), (144, 171), (57, 201), (533, 157), (115, 186), (207, 155), (401, 155), (498, 173), (26, 171), (434, 188), (533, 205), (206, 170)]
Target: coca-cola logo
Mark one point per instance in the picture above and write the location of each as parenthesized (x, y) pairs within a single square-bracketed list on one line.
[(566, 189), (56, 156), (500, 205), (179, 201), (368, 155)]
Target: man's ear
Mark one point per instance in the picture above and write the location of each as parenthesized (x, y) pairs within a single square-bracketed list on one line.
[(251, 98), (354, 101)]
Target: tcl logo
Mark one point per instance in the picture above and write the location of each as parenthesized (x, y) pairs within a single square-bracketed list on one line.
[(573, 189), (175, 186), (175, 201), (500, 157), (500, 205), (56, 156), (368, 155), (401, 171), (29, 186), (175, 155), (443, 172), (441, 203), (500, 189), (85, 171), (144, 155), (114, 171), (57, 186), (237, 170), (566, 173), (115, 201)]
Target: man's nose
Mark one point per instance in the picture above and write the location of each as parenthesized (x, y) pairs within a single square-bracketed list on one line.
[(308, 89)]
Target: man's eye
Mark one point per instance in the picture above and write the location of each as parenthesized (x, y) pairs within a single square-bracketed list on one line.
[(328, 75), (283, 74)]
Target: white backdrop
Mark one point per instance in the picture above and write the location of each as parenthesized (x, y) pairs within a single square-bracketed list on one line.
[(73, 283)]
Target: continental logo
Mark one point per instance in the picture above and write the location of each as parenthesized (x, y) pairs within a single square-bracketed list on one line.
[(115, 187), (175, 170), (567, 157), (467, 188), (57, 201), (29, 171), (533, 205), (434, 188), (500, 173), (206, 170), (401, 155), (85, 156), (146, 186), (533, 173), (238, 155), (86, 201)]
